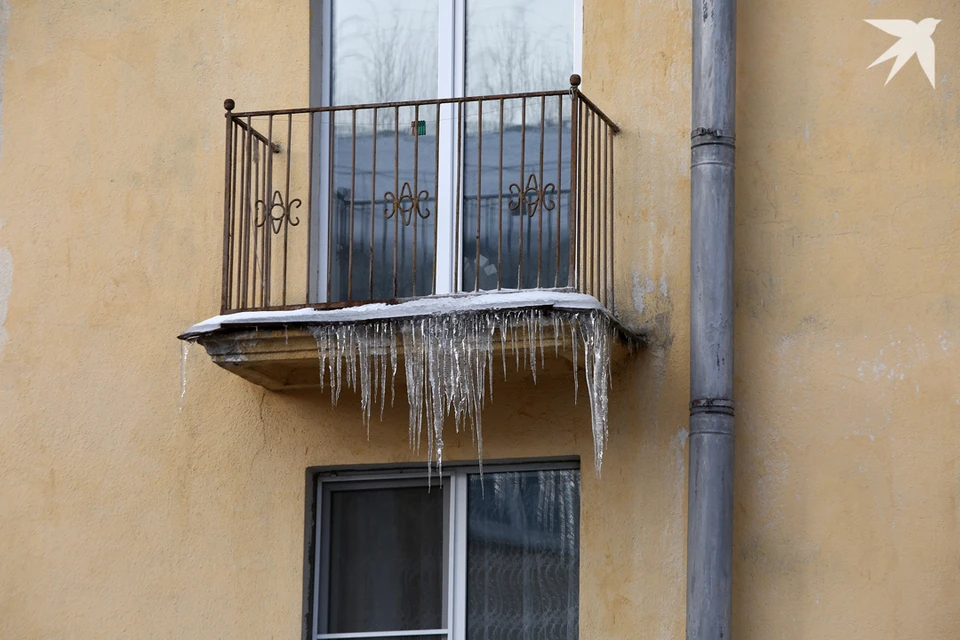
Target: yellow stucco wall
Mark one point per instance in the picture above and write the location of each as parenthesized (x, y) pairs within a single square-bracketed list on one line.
[(122, 517)]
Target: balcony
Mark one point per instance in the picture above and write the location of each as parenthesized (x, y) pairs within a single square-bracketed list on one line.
[(499, 209), (339, 206)]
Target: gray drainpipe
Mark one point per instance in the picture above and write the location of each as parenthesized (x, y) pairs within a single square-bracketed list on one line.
[(710, 497)]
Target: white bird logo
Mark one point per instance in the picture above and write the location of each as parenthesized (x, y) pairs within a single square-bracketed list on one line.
[(914, 39)]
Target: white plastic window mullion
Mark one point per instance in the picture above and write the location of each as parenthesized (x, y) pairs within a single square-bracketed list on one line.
[(449, 513), (317, 558), (449, 85), (458, 626), (577, 36), (321, 154)]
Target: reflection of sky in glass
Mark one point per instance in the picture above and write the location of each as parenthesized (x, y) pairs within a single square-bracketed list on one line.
[(518, 45), (386, 50)]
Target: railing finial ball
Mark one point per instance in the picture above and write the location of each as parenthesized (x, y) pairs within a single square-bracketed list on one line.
[(575, 80), (229, 104)]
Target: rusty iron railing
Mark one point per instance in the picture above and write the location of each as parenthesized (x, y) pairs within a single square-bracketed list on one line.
[(337, 206)]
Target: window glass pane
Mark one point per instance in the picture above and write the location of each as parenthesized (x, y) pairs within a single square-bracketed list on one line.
[(523, 555), (383, 50), (382, 201), (516, 168), (516, 193), (383, 213), (386, 560), (518, 45)]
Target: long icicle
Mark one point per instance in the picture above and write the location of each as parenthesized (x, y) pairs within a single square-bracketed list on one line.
[(449, 362)]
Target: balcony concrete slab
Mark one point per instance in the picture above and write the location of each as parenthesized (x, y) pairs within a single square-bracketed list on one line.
[(278, 349)]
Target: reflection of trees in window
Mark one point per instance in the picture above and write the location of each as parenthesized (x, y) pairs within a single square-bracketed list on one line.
[(384, 51), (513, 49)]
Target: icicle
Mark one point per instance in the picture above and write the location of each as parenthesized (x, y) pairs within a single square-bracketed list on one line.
[(322, 349), (364, 341), (448, 366), (517, 345), (574, 347), (389, 343), (540, 336), (393, 374), (532, 343), (557, 337), (596, 349), (502, 328), (414, 372), (184, 350)]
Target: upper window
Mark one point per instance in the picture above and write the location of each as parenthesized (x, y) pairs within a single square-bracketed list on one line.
[(394, 50), (491, 556), (439, 198)]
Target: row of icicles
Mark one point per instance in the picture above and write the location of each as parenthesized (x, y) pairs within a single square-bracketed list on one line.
[(449, 365)]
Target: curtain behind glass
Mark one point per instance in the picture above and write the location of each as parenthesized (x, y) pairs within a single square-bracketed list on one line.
[(386, 560), (523, 556)]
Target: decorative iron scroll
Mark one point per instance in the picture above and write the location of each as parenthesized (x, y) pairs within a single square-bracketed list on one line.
[(277, 220), (533, 196), (407, 204)]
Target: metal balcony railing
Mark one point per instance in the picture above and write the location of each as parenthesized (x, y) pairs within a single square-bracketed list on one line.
[(337, 206)]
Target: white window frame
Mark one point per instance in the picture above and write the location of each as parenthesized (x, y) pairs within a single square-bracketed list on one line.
[(454, 481), (451, 82)]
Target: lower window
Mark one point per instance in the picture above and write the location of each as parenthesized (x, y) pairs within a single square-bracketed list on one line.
[(464, 556)]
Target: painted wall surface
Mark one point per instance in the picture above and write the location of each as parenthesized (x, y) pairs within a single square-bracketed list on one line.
[(122, 517)]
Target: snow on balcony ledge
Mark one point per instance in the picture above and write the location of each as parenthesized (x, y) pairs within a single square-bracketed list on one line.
[(543, 330), (557, 299)]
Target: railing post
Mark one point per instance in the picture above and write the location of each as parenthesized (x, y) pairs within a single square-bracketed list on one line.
[(574, 153), (228, 105)]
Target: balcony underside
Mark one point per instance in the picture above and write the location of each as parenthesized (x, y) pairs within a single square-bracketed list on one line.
[(279, 350)]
